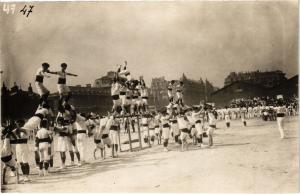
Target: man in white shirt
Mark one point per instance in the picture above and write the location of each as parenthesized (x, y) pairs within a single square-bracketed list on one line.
[(115, 94), (184, 131), (212, 121), (43, 139), (165, 129), (82, 133), (62, 88)]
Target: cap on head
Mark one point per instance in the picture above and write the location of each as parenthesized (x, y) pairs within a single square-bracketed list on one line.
[(64, 65), (45, 65)]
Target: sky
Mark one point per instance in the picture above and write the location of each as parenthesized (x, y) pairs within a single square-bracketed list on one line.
[(207, 39)]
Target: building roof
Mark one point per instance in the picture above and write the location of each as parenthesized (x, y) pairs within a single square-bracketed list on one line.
[(287, 82), (237, 82), (109, 75)]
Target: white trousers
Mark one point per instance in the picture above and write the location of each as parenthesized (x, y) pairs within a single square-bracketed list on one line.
[(227, 119), (22, 153), (63, 88), (80, 144), (43, 150), (113, 134), (199, 129), (280, 124), (40, 88), (166, 132)]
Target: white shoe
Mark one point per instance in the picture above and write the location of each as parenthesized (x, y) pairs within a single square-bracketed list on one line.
[(62, 167), (79, 164), (26, 179), (12, 174), (72, 163), (166, 149), (46, 172), (41, 173)]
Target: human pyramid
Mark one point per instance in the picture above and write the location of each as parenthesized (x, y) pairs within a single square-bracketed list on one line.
[(130, 103)]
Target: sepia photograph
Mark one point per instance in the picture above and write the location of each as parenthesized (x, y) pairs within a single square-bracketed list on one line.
[(197, 96)]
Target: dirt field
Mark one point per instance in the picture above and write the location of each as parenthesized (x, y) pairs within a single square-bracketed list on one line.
[(244, 159)]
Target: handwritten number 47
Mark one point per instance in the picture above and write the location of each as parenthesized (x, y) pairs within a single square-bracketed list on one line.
[(24, 10), (9, 8)]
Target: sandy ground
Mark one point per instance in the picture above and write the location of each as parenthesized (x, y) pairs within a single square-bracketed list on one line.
[(244, 159)]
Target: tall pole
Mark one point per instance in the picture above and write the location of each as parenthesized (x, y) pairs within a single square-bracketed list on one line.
[(1, 72), (129, 133), (139, 131), (205, 92)]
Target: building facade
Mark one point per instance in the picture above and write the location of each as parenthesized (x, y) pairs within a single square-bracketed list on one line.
[(87, 99), (267, 79), (194, 91), (158, 92), (236, 90), (17, 103), (240, 89), (105, 81)]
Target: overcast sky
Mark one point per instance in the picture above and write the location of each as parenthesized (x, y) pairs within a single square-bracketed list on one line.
[(200, 39)]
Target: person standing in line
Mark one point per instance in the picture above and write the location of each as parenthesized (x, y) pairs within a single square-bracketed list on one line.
[(43, 140), (227, 117), (212, 121), (184, 131), (82, 133), (280, 114), (165, 129), (22, 150)]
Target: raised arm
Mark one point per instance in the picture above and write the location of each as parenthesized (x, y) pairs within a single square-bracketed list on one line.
[(71, 74), (51, 72)]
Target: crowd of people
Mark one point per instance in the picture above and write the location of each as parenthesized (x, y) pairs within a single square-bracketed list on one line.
[(176, 122)]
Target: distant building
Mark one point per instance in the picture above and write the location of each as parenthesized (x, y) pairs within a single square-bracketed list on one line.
[(158, 92), (105, 81), (241, 89), (17, 104), (194, 91), (15, 88), (267, 79), (87, 99), (287, 88), (235, 90), (30, 90)]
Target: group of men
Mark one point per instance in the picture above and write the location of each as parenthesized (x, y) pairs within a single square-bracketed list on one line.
[(15, 134), (176, 122), (130, 97)]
